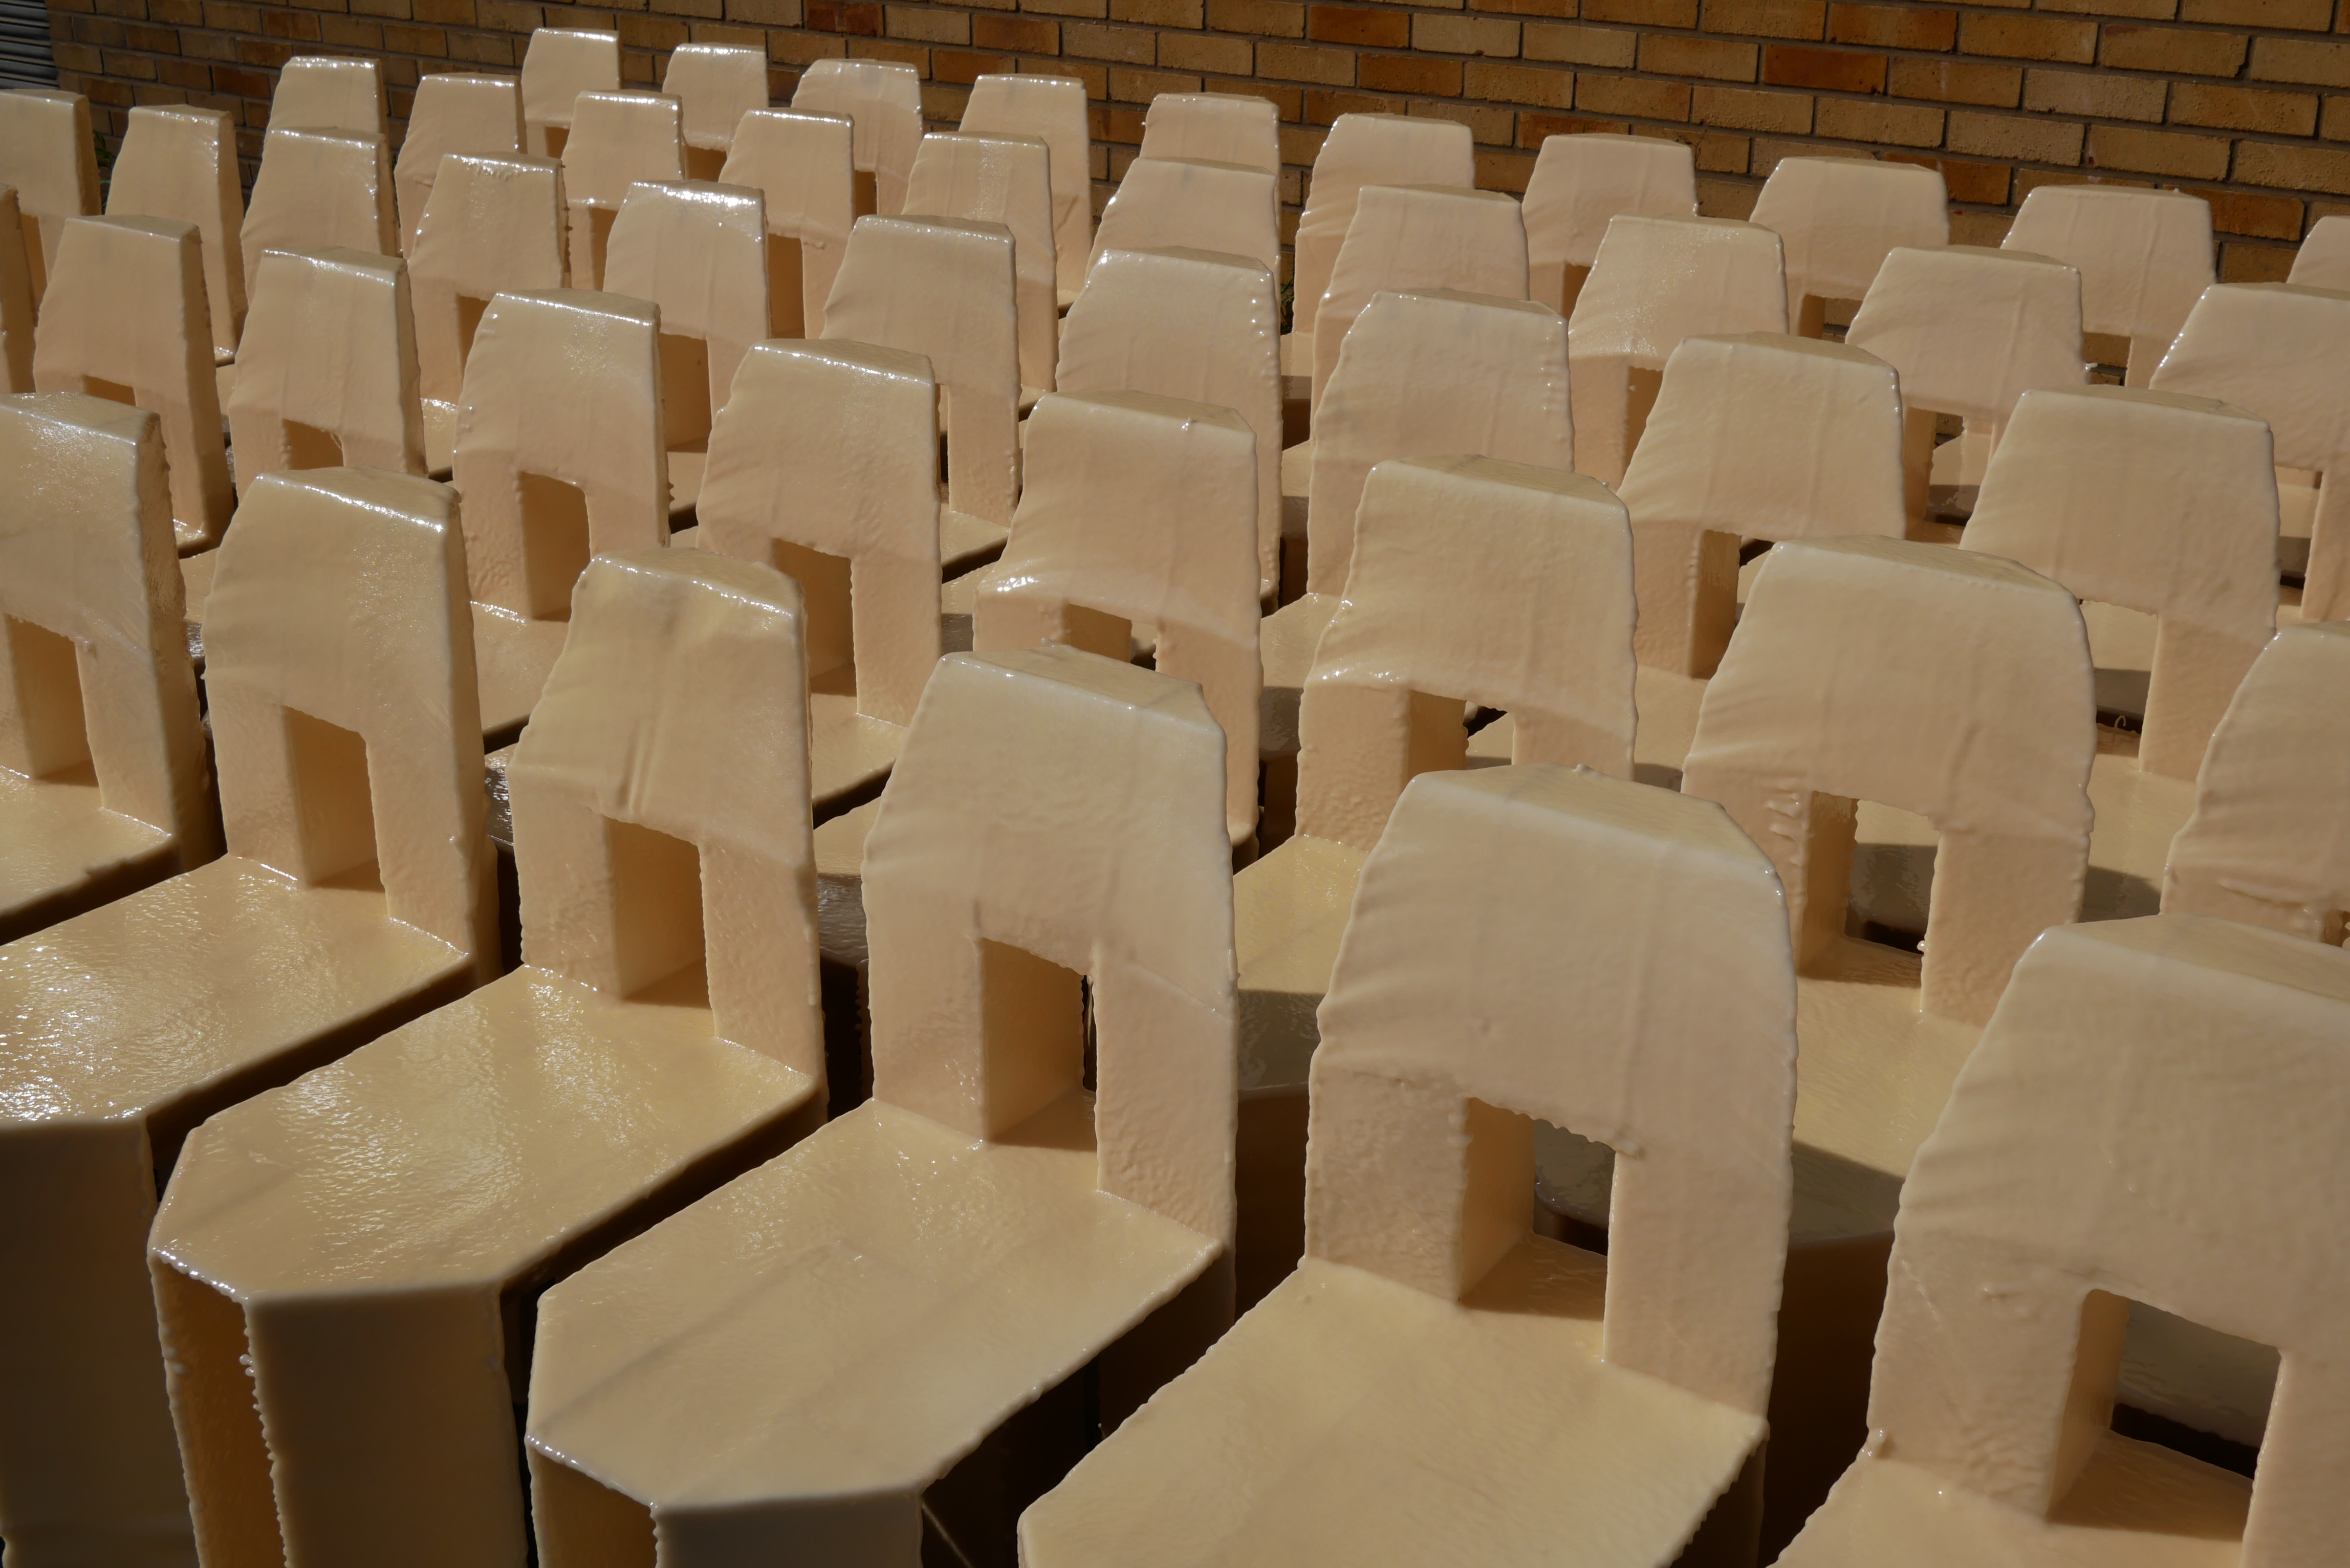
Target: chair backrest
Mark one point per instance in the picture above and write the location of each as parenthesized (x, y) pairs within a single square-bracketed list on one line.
[(1213, 128), (1655, 282), (493, 225), (1368, 150), (1501, 966), (319, 190), (661, 796), (1477, 581), (1426, 375), (125, 319), (698, 251), (327, 376), (1972, 329), (2145, 258), (1412, 237), (1839, 218), (559, 449), (48, 155), (1165, 204), (17, 310), (944, 290), (824, 464), (2179, 1081), (885, 100), (456, 113), (1940, 682), (2270, 840), (1192, 325), (716, 86), (87, 557), (1008, 179), (558, 65), (1582, 181), (1054, 812), (2156, 502), (2323, 259), (617, 139), (328, 92), (180, 163), (1140, 508), (1053, 109), (338, 658), (802, 166), (1760, 436)]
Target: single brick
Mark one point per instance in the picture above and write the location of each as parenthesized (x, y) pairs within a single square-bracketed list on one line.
[(1204, 52), (1767, 18), (1668, 54), (1534, 129), (897, 54), (1299, 63), (2028, 38), (353, 32), (1021, 34), (1980, 184), (2262, 217), (1325, 105), (1828, 70), (2254, 263), (2158, 152), (1719, 154), (2243, 109), (2175, 50), (1140, 87), (2143, 10), (1092, 10), (1958, 81), (1721, 198), (957, 68), (1885, 124), (2300, 60), (1642, 13), (1582, 45), (2094, 93), (2312, 15), (1488, 36), (1158, 13), (1892, 27), (1487, 127), (300, 26), (1638, 96), (929, 24), (2286, 168), (482, 50), (1500, 171), (447, 12), (1984, 229), (2336, 125), (1743, 109), (800, 48), (1264, 18), (2026, 139), (1095, 76), (1124, 45), (1288, 102), (1410, 73), (1528, 7), (1537, 87), (1353, 25), (858, 20)]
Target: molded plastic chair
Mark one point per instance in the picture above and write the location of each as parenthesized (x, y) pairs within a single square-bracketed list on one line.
[(1213, 128), (1054, 110), (178, 163), (355, 895), (716, 86), (1582, 181), (617, 139), (1839, 218), (885, 100), (2145, 258), (340, 1335), (1172, 203), (2323, 259), (1363, 149), (1055, 816), (1435, 1383), (453, 113), (1406, 238), (48, 155), (319, 190), (104, 783), (329, 92), (327, 376), (802, 166), (558, 65), (1006, 180)]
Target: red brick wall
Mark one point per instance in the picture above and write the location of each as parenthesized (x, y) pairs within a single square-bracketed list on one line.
[(2245, 101)]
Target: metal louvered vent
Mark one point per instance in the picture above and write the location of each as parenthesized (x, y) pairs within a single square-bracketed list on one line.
[(24, 57)]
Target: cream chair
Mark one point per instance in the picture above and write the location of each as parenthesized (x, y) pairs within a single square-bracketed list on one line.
[(1213, 128), (1056, 824), (885, 101), (1362, 149), (2323, 259), (716, 86), (617, 139), (1177, 203), (1436, 1382), (180, 164), (1580, 183), (48, 154), (803, 167), (452, 113), (327, 376), (1054, 110), (2171, 1077), (1839, 218), (329, 92), (126, 321), (355, 895), (558, 65), (2145, 258), (1006, 180), (319, 190), (1655, 282), (361, 1303), (104, 783)]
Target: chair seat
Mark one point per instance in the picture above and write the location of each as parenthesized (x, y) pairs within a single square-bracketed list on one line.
[(1351, 1419), (512, 659), (966, 542), (1289, 910), (2133, 1506), (848, 751), (1285, 643), (61, 851), (1297, 469), (180, 995), (472, 1146), (812, 1331)]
